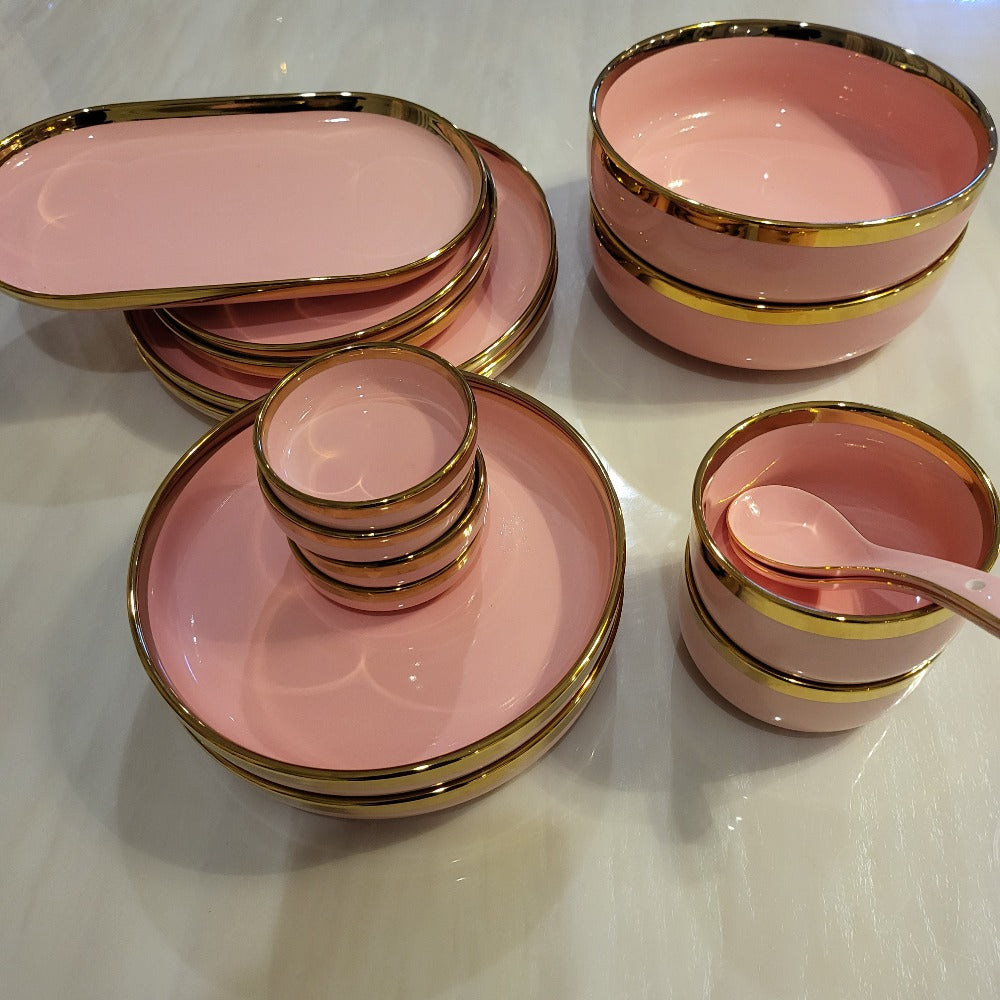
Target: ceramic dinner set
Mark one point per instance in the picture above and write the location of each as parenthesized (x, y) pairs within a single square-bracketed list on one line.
[(385, 582)]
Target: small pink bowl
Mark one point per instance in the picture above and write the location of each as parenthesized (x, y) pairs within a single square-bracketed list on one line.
[(785, 161), (367, 437), (389, 544), (427, 561), (903, 483), (771, 696), (755, 335)]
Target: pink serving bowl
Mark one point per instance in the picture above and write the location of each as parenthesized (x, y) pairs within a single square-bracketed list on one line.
[(785, 161), (903, 483), (368, 437), (760, 335)]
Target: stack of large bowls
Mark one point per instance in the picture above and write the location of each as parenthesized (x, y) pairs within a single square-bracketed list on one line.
[(779, 195), (807, 658), (245, 235)]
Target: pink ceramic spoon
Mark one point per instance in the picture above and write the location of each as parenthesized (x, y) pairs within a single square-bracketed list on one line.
[(801, 535)]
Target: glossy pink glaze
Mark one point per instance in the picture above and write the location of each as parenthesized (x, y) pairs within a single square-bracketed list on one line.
[(292, 323), (773, 707), (391, 543), (517, 269), (895, 491), (754, 345), (366, 427), (792, 131), (229, 199), (246, 644)]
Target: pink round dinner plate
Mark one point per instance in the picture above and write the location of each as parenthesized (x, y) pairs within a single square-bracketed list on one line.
[(293, 687), (243, 196), (499, 319)]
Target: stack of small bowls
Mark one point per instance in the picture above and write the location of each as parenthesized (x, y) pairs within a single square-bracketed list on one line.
[(825, 659), (367, 457), (779, 195)]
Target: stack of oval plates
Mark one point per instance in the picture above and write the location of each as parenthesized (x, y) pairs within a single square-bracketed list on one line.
[(245, 235)]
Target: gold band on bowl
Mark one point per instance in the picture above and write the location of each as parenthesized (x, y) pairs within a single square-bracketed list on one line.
[(765, 313), (813, 620), (343, 101), (792, 233), (452, 471), (783, 682)]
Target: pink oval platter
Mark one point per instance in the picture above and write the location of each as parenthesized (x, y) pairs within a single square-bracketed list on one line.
[(502, 315), (297, 691), (246, 195)]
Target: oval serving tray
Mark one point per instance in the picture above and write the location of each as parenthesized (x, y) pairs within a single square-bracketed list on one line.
[(158, 203)]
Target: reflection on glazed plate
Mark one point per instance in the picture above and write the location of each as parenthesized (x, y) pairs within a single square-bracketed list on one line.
[(501, 314), (238, 195), (252, 657)]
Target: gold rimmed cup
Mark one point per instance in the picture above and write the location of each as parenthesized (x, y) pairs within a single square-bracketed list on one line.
[(893, 476), (420, 562), (746, 333), (367, 437), (689, 158), (389, 544)]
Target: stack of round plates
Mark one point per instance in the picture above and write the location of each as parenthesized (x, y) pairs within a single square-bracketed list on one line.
[(357, 714)]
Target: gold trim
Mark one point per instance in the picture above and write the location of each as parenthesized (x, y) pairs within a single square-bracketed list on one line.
[(792, 685), (813, 620), (344, 101), (362, 510), (433, 770), (775, 231), (755, 311), (445, 791), (414, 325), (469, 524)]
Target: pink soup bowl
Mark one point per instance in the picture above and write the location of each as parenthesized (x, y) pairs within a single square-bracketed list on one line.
[(903, 484), (758, 335), (785, 161), (367, 437)]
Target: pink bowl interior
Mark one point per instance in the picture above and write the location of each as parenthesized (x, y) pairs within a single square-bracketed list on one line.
[(895, 492), (783, 129), (365, 428)]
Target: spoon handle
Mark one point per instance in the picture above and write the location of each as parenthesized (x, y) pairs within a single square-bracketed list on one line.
[(963, 589)]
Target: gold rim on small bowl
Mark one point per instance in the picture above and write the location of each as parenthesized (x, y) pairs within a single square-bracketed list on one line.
[(377, 512), (418, 563)]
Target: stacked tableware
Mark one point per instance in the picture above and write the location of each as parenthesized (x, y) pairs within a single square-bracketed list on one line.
[(804, 656), (779, 195), (287, 676), (368, 460)]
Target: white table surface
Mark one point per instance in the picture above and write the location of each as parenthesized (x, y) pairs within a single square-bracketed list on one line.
[(668, 847)]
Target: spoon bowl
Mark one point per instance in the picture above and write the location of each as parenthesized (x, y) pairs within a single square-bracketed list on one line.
[(798, 534)]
